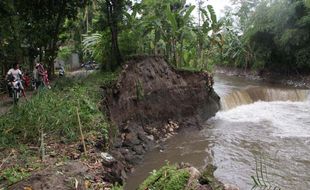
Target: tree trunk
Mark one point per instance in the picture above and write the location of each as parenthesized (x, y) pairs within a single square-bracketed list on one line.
[(53, 45), (113, 9)]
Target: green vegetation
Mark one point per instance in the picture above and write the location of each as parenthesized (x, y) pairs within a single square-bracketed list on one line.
[(117, 187), (259, 34), (30, 30), (139, 90), (168, 177), (13, 174), (272, 35), (54, 112), (157, 27)]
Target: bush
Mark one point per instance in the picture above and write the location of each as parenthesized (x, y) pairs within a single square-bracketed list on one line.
[(55, 112)]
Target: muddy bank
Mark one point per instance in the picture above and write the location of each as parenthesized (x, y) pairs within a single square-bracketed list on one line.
[(301, 81), (150, 102)]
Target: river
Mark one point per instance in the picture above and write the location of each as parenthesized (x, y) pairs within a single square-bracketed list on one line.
[(262, 130)]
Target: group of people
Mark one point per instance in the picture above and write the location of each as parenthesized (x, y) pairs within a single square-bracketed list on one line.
[(40, 77)]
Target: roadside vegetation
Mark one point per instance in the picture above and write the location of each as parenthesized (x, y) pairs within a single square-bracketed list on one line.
[(55, 114)]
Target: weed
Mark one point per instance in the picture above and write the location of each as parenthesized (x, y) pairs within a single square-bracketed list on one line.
[(168, 177), (13, 175), (117, 187), (139, 90), (261, 178)]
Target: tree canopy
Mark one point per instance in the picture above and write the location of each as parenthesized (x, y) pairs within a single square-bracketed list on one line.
[(256, 34), (273, 35)]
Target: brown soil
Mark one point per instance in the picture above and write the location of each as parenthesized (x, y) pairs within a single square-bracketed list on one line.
[(165, 94)]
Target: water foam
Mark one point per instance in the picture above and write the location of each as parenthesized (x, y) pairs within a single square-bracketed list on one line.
[(253, 94), (287, 118)]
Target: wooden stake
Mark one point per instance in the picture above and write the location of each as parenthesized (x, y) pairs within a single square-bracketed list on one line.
[(80, 126), (42, 148)]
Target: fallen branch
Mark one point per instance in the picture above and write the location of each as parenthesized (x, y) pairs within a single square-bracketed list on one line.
[(7, 158)]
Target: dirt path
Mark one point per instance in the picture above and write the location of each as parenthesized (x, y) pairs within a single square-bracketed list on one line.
[(6, 102)]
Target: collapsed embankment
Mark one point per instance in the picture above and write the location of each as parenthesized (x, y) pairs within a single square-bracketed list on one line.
[(150, 102)]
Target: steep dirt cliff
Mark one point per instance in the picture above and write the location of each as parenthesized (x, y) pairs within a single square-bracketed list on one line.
[(150, 92), (151, 101)]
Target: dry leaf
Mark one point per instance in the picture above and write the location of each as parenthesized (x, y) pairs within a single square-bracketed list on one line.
[(87, 184)]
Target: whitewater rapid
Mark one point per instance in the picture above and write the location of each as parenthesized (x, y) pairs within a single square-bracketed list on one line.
[(273, 134)]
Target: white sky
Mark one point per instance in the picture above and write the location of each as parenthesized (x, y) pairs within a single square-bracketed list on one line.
[(218, 5)]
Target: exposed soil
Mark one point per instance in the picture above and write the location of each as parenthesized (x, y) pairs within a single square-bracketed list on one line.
[(152, 101)]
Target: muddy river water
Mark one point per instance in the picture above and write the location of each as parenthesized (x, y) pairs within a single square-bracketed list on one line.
[(262, 129)]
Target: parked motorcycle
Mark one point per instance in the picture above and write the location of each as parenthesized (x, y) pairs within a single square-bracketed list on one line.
[(61, 72)]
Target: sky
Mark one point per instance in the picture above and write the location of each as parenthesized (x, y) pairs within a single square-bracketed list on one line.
[(218, 5)]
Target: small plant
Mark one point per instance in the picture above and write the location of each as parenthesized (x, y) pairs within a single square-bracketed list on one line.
[(117, 187), (168, 177), (13, 175), (139, 90), (261, 179)]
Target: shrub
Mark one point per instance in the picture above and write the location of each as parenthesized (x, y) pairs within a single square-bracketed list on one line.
[(54, 112)]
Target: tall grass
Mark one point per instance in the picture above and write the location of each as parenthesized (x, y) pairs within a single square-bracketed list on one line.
[(54, 112)]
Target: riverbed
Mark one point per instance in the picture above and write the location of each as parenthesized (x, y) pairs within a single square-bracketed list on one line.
[(263, 130)]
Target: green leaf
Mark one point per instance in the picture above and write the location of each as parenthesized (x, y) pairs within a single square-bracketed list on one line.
[(188, 13), (172, 20), (212, 14)]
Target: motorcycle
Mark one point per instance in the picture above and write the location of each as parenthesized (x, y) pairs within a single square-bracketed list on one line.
[(61, 72), (16, 90)]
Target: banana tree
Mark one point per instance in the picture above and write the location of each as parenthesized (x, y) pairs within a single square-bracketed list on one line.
[(178, 21), (95, 46), (209, 33)]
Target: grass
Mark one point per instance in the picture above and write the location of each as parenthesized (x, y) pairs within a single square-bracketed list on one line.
[(54, 112), (168, 177)]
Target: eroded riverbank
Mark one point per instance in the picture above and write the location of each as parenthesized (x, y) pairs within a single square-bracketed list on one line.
[(149, 103), (274, 134)]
